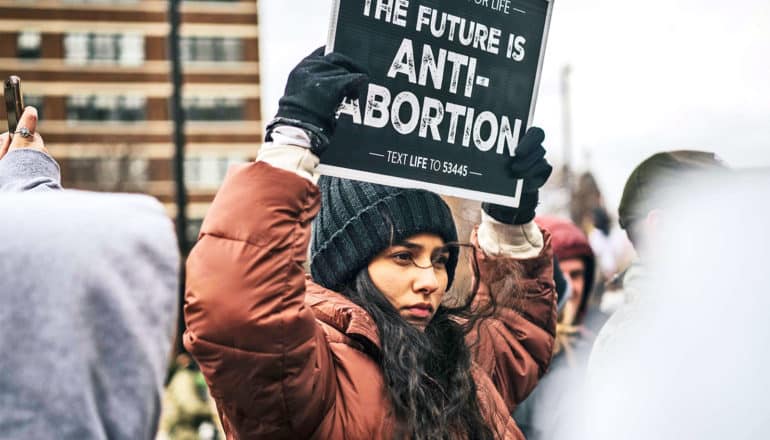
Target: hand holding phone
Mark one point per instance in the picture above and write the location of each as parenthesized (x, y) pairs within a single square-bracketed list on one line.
[(19, 121), (14, 102)]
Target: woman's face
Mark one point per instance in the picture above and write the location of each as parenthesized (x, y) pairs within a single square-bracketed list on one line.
[(412, 275)]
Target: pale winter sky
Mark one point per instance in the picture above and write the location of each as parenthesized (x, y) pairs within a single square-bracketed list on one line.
[(646, 76)]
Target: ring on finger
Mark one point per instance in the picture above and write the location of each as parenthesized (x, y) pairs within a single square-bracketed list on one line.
[(24, 132)]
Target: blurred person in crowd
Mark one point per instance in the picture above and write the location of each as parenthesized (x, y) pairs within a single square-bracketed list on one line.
[(609, 243), (641, 213), (577, 263), (689, 361), (613, 252), (563, 288), (366, 348), (598, 237), (558, 391), (188, 412), (89, 294)]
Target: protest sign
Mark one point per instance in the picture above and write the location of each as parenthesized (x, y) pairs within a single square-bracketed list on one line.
[(453, 88)]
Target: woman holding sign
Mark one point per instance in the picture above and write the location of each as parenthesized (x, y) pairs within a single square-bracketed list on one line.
[(384, 341)]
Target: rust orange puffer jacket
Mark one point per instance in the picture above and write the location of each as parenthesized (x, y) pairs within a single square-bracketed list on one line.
[(283, 356)]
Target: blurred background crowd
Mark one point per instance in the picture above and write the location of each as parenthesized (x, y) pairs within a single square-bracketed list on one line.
[(620, 81)]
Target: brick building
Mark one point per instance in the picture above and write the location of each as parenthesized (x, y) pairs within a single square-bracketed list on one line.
[(98, 70)]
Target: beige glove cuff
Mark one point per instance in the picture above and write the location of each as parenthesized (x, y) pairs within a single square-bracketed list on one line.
[(298, 160), (290, 151), (504, 240)]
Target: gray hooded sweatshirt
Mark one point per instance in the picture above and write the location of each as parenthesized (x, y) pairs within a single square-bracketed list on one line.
[(88, 307)]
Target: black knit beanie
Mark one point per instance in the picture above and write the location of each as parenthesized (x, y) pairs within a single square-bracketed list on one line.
[(359, 219)]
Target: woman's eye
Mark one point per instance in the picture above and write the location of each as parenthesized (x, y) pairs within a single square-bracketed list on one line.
[(441, 261), (402, 258)]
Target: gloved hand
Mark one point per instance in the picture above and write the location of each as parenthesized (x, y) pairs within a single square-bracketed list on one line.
[(529, 164), (314, 90)]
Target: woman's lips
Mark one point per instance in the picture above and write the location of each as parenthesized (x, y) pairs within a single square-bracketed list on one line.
[(419, 311)]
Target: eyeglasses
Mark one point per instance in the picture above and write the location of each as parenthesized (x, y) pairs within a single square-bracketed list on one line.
[(466, 271)]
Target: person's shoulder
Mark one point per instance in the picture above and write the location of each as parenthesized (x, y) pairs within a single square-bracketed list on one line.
[(84, 206), (86, 230), (620, 330), (108, 205)]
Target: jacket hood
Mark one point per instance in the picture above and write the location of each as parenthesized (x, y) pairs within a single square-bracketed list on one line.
[(89, 291)]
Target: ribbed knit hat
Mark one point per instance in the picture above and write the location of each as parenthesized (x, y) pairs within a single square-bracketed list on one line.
[(359, 219)]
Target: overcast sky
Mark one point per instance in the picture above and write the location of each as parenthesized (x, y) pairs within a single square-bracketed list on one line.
[(646, 76)]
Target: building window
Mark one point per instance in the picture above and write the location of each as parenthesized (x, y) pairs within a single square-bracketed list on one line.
[(37, 102), (132, 49), (101, 1), (202, 108), (193, 229), (208, 170), (232, 49), (28, 45), (81, 172), (110, 173), (122, 173), (100, 48), (104, 47), (106, 108), (211, 49), (76, 48)]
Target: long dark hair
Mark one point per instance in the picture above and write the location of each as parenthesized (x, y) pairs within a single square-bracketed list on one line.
[(427, 374)]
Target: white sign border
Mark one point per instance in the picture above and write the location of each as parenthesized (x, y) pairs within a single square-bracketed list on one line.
[(454, 191), (384, 179), (540, 61)]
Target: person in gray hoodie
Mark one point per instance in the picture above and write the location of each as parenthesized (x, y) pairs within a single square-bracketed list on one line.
[(88, 302)]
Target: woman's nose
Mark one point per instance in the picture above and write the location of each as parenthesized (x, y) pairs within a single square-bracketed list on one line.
[(426, 281)]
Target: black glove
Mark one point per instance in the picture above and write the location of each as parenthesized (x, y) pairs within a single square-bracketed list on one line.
[(529, 164), (314, 91)]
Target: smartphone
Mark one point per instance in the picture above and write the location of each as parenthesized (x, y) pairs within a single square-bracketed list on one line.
[(14, 102)]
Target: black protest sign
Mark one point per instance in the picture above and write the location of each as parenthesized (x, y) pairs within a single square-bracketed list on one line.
[(453, 85)]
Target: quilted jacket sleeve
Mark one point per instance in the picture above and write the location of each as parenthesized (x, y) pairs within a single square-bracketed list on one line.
[(515, 344), (264, 357)]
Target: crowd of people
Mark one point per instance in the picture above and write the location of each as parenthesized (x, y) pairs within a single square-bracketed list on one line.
[(331, 308)]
